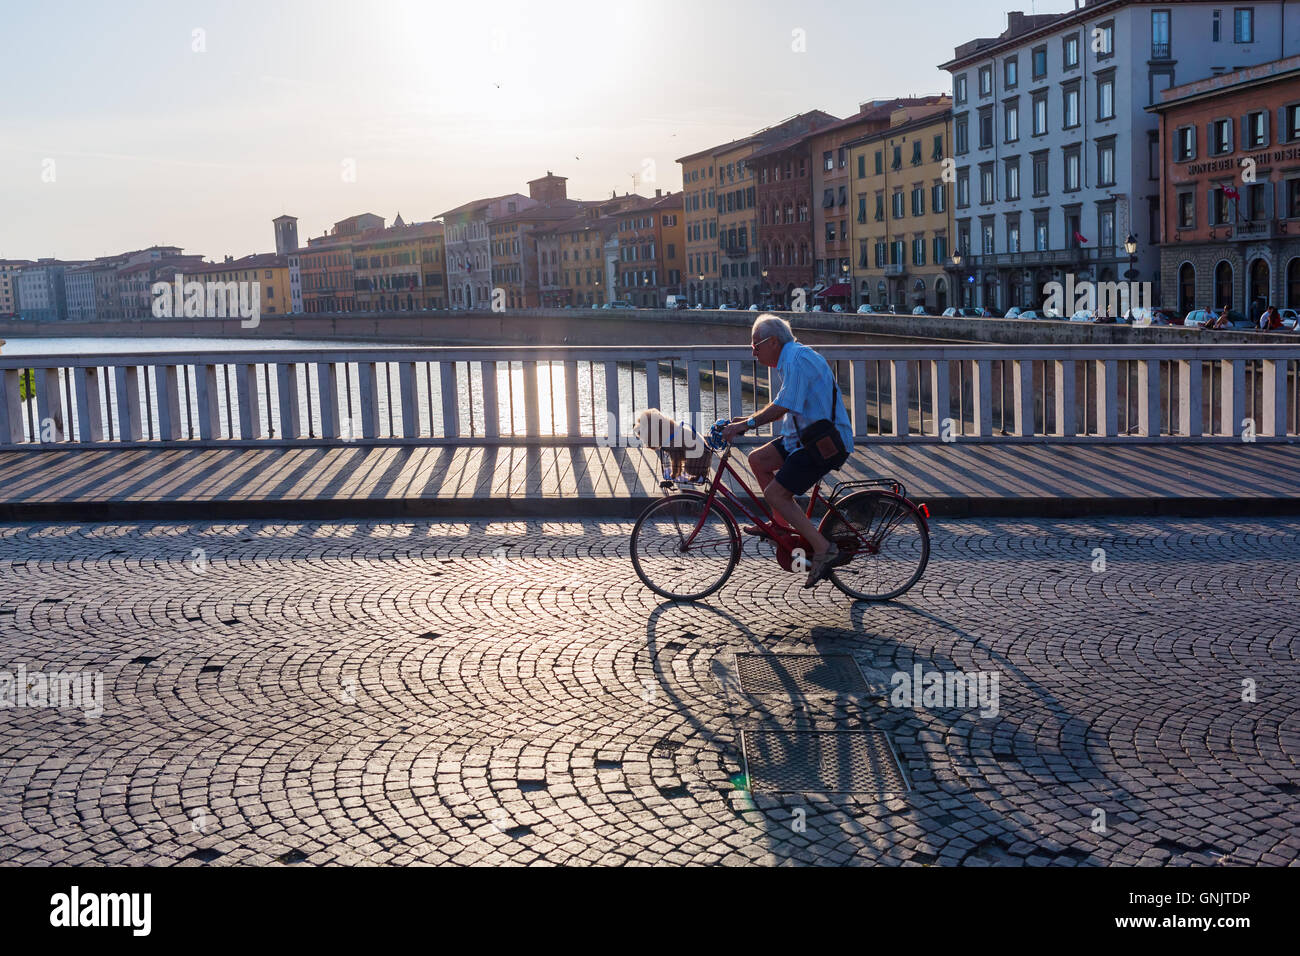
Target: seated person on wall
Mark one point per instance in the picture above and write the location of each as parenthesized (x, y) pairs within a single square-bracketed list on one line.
[(784, 468)]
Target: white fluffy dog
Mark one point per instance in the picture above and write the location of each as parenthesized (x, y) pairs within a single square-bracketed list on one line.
[(654, 429)]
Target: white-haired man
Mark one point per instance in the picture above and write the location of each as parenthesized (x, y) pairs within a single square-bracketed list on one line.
[(782, 467)]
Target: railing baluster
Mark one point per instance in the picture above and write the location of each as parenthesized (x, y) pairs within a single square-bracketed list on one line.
[(11, 407), (693, 398), (940, 401), (1232, 395), (249, 414), (1107, 397), (982, 397), (1022, 395), (572, 415), (1273, 415), (532, 414), (450, 404), (290, 401), (611, 403), (410, 407), (858, 391), (1066, 424), (900, 398), (491, 404), (169, 403), (209, 401), (1148, 396)]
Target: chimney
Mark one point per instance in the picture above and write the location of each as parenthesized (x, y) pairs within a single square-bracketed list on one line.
[(1016, 22), (659, 193)]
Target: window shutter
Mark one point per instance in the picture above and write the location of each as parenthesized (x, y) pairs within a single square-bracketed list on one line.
[(1281, 125)]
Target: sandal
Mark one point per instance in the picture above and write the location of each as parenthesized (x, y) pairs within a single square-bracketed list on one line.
[(821, 566)]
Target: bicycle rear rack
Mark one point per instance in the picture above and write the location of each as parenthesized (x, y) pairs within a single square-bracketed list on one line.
[(842, 487)]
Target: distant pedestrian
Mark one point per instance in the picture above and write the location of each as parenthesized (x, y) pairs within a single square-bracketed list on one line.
[(1271, 320)]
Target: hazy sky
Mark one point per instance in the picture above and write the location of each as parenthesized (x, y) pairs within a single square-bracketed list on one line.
[(117, 133)]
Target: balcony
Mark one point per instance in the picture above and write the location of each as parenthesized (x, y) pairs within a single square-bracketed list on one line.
[(1260, 229), (895, 269), (1160, 51), (734, 252)]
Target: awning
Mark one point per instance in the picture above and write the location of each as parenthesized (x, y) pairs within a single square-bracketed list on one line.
[(837, 290)]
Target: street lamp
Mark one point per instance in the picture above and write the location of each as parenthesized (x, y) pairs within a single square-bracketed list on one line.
[(961, 279), (1131, 247)]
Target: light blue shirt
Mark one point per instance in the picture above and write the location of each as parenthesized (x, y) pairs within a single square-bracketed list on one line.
[(806, 391)]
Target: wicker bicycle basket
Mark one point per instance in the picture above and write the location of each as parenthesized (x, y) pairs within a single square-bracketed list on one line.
[(684, 464)]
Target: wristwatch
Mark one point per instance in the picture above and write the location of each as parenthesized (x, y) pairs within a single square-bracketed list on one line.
[(750, 423)]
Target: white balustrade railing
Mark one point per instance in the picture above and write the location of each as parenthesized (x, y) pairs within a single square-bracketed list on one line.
[(405, 395)]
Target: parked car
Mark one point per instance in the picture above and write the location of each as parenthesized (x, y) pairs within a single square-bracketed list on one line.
[(919, 310), (950, 312), (1039, 314), (675, 302), (1013, 312), (1197, 318), (753, 308), (1146, 316), (621, 304), (1083, 315), (972, 313), (866, 310), (1290, 318), (837, 307)]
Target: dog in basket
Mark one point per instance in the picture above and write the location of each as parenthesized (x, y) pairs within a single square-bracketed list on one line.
[(687, 454)]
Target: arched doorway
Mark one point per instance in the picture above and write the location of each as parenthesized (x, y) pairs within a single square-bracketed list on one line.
[(1223, 285), (1293, 283), (940, 295), (918, 293), (1258, 296), (1186, 288)]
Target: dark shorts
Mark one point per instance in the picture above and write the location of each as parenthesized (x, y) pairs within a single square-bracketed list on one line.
[(799, 470)]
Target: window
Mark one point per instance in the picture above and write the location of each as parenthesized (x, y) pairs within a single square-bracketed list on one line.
[(1292, 187), (937, 153), (1103, 40), (1013, 233), (986, 183), (963, 188), (986, 238), (961, 133), (1010, 68), (916, 153), (1290, 122), (959, 88), (1215, 32), (1039, 57), (940, 248), (1220, 137), (880, 207), (1040, 114), (986, 127), (938, 198), (1072, 168), (1013, 178), (1106, 227), (918, 201), (880, 168), (843, 197), (862, 209), (1220, 207), (1011, 121), (1254, 129), (1070, 107), (986, 80), (1160, 34), (843, 157), (899, 209), (1243, 25), (918, 252), (1106, 97), (1184, 144), (1258, 199), (1106, 163), (1040, 231), (898, 158), (1070, 52), (828, 160)]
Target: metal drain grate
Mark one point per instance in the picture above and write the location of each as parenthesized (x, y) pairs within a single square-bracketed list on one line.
[(800, 675), (821, 761)]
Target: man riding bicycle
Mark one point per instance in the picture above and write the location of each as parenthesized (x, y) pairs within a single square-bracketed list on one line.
[(783, 467)]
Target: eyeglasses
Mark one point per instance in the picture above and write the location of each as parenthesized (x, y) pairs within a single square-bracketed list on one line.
[(754, 346)]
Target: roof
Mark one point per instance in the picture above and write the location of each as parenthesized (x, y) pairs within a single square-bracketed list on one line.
[(1273, 72), (395, 233), (259, 260), (1022, 27), (544, 212), (926, 118), (476, 204), (777, 131)]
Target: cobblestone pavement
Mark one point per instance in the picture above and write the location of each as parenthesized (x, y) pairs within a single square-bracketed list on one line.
[(439, 692)]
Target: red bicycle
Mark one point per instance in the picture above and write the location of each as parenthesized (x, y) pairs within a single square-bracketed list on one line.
[(686, 544)]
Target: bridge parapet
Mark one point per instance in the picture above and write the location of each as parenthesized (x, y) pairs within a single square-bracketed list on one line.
[(590, 395)]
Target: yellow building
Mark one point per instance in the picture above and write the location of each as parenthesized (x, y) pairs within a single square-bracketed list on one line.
[(571, 261), (399, 269), (902, 223), (700, 215), (267, 269)]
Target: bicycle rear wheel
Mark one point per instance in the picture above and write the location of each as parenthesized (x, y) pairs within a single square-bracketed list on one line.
[(886, 541), (674, 560)]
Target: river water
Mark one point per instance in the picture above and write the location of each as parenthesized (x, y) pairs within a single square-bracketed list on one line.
[(510, 389)]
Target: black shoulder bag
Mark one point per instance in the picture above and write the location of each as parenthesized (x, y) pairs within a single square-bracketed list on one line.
[(822, 438)]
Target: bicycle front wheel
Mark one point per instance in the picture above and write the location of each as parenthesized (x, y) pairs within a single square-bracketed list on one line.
[(885, 541), (683, 551)]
